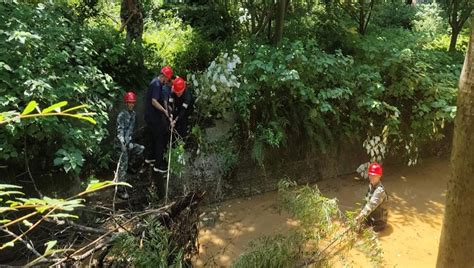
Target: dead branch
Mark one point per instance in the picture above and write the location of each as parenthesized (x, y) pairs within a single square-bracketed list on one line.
[(164, 215), (27, 244)]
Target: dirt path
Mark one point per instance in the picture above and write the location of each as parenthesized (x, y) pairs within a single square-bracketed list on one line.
[(416, 208)]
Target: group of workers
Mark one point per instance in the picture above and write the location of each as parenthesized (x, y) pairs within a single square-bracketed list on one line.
[(167, 106)]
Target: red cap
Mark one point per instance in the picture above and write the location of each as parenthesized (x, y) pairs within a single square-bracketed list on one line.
[(130, 97), (375, 169), (167, 71), (179, 85)]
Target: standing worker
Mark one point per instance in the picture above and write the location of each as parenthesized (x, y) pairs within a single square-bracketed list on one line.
[(181, 102), (157, 119), (374, 212), (129, 150)]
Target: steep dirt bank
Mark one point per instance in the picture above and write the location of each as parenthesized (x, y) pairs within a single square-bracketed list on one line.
[(416, 208)]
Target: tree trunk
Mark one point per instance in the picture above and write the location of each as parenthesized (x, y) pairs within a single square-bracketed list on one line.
[(279, 21), (456, 248), (361, 17), (454, 39)]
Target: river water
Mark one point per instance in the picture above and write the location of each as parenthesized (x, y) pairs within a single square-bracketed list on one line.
[(416, 207)]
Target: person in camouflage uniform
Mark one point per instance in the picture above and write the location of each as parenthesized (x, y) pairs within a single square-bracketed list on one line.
[(374, 212), (128, 150), (132, 19)]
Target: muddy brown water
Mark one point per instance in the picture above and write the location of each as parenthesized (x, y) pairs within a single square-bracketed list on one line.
[(416, 208)]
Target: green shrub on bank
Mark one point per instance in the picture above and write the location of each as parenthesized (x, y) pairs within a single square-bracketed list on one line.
[(298, 90), (46, 56)]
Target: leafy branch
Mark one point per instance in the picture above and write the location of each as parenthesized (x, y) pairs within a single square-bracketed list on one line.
[(53, 110), (44, 208)]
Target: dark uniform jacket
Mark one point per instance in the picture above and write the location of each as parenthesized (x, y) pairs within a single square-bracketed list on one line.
[(155, 91)]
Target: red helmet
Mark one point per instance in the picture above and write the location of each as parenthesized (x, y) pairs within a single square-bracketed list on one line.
[(179, 85), (167, 71), (375, 169), (130, 97)]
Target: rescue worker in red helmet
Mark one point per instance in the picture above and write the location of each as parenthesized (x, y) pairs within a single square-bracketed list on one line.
[(181, 101), (157, 119), (130, 151), (374, 212)]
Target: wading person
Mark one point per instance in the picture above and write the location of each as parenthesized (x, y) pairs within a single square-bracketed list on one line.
[(181, 102), (374, 213), (157, 120), (129, 150)]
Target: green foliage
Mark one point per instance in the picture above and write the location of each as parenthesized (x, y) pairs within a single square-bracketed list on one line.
[(271, 251), (70, 160), (189, 50), (296, 88), (40, 209), (214, 86), (177, 161), (394, 14), (429, 22), (319, 229), (310, 208), (393, 81), (53, 59), (154, 249)]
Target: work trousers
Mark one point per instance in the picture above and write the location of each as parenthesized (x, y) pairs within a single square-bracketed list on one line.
[(377, 219), (129, 157), (157, 135)]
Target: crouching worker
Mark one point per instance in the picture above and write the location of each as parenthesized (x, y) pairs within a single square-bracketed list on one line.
[(129, 150), (374, 213)]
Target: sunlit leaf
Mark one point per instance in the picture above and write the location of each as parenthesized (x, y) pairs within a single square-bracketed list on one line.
[(98, 185), (89, 119), (2, 193), (4, 209), (9, 186), (30, 107), (75, 108), (55, 106), (27, 223), (42, 209), (49, 246), (4, 221)]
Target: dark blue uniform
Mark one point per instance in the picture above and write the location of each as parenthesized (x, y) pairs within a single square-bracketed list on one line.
[(157, 124), (181, 108)]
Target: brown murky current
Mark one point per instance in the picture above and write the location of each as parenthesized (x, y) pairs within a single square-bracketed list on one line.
[(416, 207)]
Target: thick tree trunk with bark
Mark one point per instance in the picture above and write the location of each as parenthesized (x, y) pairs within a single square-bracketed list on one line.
[(456, 247)]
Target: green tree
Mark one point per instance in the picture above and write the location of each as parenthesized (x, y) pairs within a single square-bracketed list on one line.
[(360, 11), (456, 247), (458, 13)]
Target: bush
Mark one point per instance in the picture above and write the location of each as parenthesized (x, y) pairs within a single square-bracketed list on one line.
[(394, 15), (299, 89), (428, 21), (155, 249), (188, 49), (399, 91), (44, 55)]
